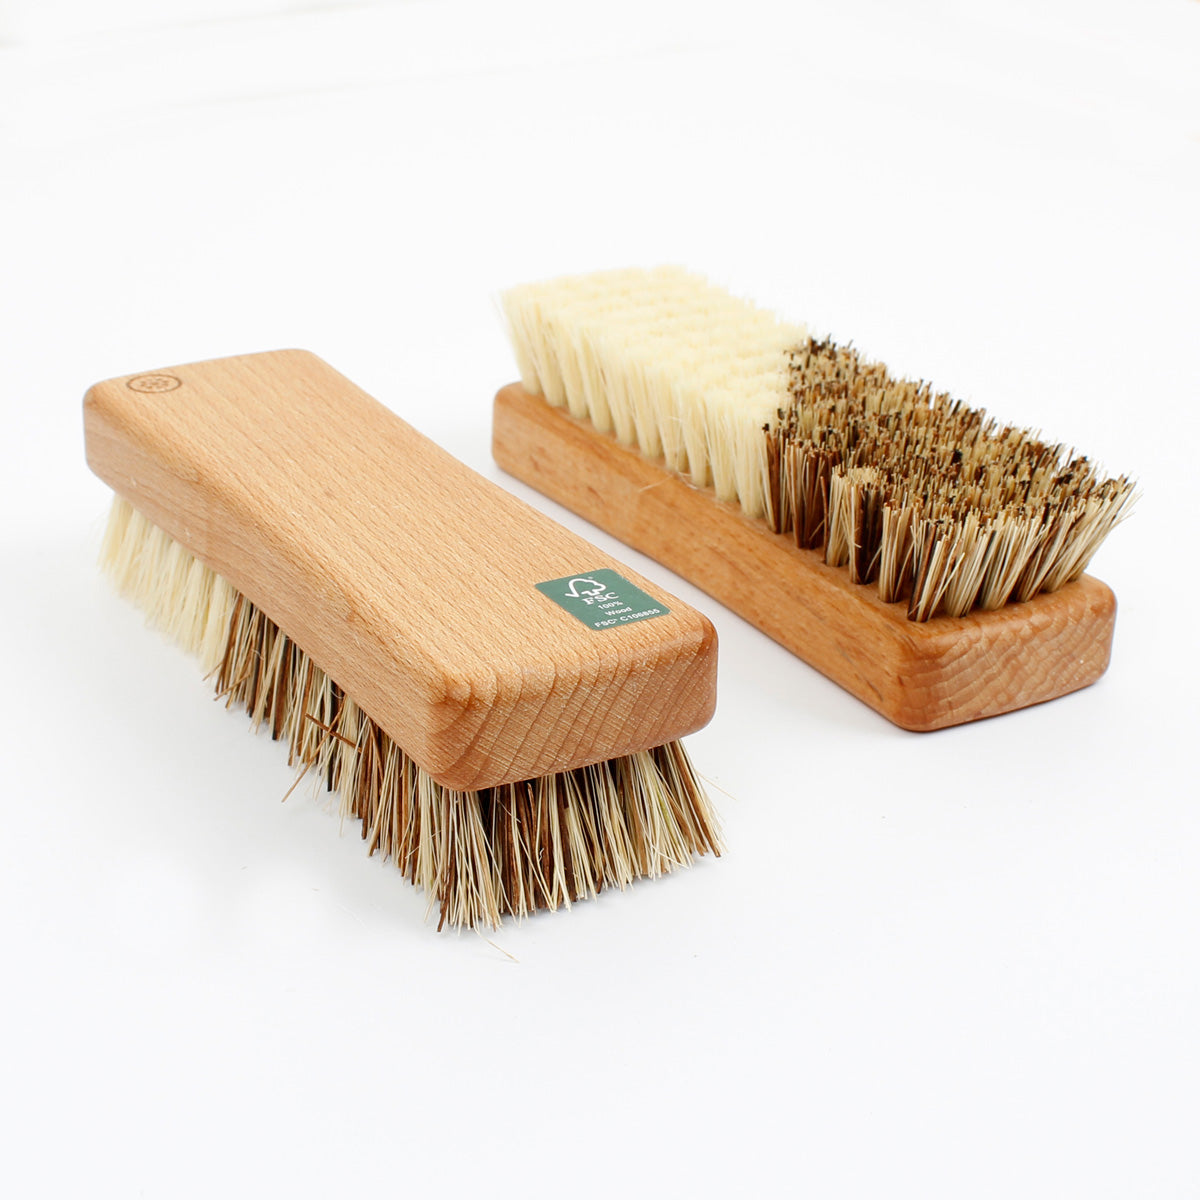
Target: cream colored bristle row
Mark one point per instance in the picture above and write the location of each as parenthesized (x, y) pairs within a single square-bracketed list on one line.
[(478, 856), (907, 489), (664, 361)]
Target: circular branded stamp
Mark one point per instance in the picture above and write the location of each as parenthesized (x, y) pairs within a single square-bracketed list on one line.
[(155, 382)]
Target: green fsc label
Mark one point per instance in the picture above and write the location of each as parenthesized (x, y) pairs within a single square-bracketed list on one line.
[(602, 599)]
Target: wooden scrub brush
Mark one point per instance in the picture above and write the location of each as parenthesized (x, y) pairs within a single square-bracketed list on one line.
[(921, 555), (495, 699)]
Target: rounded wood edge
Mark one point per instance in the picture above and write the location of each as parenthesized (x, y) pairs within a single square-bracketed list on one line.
[(674, 694), (983, 665)]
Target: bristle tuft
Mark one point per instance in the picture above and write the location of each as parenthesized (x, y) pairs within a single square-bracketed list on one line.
[(479, 856), (925, 495), (664, 361)]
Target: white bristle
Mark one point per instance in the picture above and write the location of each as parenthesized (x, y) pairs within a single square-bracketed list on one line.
[(663, 360)]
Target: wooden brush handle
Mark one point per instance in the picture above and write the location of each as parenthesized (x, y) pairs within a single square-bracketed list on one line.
[(922, 676), (407, 577)]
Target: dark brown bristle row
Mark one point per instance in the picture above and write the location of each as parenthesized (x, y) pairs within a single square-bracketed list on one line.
[(539, 843), (924, 496)]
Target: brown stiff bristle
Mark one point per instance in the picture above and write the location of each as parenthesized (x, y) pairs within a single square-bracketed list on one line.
[(478, 855), (944, 507)]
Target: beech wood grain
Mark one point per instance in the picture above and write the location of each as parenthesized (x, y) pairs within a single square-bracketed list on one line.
[(406, 576), (922, 676)]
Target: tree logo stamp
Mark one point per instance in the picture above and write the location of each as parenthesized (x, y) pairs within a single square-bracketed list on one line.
[(602, 599)]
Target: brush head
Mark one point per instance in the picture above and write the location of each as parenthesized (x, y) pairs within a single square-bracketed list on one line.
[(904, 487), (419, 586), (478, 855)]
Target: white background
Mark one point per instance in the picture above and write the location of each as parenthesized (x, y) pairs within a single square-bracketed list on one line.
[(961, 964)]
